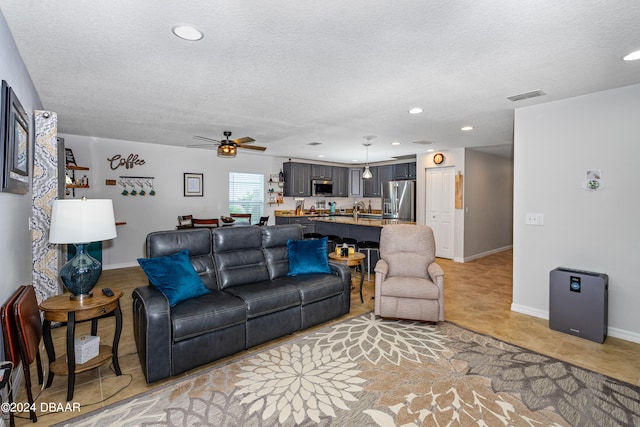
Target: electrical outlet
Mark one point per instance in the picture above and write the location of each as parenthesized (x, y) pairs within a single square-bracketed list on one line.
[(534, 219)]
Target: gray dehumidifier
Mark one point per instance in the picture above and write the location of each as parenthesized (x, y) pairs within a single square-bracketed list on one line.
[(578, 303)]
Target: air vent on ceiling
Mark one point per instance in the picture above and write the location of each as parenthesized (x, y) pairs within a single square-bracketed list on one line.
[(526, 95), (406, 157), (314, 143), (423, 142)]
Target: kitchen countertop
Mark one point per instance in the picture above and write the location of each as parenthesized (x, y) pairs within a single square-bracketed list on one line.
[(370, 222), (367, 219)]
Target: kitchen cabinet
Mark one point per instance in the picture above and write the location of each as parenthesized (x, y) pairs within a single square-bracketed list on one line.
[(297, 179), (355, 182), (308, 226), (373, 185), (340, 181), (402, 171), (321, 171)]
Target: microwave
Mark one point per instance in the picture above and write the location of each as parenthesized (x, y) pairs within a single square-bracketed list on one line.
[(321, 187)]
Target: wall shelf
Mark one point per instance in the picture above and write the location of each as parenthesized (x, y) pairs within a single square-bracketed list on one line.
[(275, 192), (74, 186)]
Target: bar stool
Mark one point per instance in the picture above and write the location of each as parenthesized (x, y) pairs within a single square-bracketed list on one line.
[(350, 242), (333, 241), (313, 235), (368, 246)]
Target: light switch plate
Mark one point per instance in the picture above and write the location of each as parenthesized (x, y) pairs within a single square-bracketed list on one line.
[(534, 219)]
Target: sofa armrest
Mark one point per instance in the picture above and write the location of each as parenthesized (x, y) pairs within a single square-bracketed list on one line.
[(381, 269), (344, 273), (437, 276), (152, 332)]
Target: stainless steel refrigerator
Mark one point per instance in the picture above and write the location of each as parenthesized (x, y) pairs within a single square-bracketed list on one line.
[(399, 200)]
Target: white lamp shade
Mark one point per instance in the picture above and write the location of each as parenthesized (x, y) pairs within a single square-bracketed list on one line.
[(82, 221)]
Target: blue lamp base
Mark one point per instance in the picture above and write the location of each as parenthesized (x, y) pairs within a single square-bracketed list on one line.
[(81, 273)]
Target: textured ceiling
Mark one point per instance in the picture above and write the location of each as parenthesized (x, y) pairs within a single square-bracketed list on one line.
[(288, 73)]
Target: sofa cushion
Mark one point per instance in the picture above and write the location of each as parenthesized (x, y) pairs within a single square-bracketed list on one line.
[(409, 287), (316, 287), (209, 313), (274, 246), (174, 276), (308, 256), (266, 297), (238, 255)]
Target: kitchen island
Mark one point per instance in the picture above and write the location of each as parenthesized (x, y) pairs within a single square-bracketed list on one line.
[(366, 227)]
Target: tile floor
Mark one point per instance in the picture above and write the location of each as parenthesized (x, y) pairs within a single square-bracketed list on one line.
[(477, 296)]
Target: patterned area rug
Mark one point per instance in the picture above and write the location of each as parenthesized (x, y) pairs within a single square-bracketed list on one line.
[(373, 372)]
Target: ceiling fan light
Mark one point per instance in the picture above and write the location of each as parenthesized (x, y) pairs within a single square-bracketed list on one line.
[(227, 150)]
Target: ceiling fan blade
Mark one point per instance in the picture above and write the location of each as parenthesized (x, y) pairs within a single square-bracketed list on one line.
[(252, 147), (203, 138), (245, 140), (205, 146)]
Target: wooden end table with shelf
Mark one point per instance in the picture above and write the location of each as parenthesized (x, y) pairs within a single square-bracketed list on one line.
[(354, 259), (62, 309)]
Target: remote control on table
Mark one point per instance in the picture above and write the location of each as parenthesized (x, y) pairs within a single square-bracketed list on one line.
[(108, 292)]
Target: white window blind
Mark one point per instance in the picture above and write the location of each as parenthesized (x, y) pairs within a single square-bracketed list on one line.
[(246, 194)]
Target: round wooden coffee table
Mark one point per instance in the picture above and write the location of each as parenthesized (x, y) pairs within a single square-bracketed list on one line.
[(355, 259)]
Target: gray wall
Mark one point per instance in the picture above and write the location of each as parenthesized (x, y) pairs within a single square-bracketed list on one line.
[(15, 209), (488, 187), (555, 144)]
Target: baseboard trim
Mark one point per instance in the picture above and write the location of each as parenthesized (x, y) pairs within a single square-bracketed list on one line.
[(487, 253), (122, 265), (611, 332)]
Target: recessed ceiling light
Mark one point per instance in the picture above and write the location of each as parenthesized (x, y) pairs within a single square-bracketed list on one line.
[(430, 150), (187, 32), (395, 143), (466, 128), (354, 160), (632, 56), (320, 155), (416, 110)]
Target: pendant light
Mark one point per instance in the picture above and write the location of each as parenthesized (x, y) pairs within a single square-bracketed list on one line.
[(367, 172)]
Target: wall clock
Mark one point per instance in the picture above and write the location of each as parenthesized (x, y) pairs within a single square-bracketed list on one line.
[(438, 158)]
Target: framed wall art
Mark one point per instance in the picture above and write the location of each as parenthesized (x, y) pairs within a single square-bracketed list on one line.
[(14, 133), (193, 185)]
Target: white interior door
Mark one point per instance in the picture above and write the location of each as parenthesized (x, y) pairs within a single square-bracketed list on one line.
[(440, 208)]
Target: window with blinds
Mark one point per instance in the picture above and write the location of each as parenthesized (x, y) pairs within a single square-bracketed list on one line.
[(246, 194)]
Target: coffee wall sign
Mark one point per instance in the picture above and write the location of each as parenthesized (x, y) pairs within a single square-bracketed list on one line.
[(128, 162)]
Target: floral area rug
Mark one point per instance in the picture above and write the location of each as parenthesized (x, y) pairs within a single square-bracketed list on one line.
[(371, 372)]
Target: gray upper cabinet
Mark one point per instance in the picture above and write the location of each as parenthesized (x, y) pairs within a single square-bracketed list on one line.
[(340, 181), (404, 171), (373, 185), (297, 179), (321, 172)]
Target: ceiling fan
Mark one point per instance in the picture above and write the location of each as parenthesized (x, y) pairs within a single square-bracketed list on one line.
[(227, 147)]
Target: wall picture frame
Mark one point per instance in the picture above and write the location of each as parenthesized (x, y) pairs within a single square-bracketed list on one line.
[(193, 185), (15, 142)]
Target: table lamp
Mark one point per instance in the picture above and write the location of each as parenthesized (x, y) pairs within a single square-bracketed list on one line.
[(80, 222)]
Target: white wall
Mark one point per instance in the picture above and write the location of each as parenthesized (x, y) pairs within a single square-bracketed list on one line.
[(15, 209), (555, 144), (488, 184)]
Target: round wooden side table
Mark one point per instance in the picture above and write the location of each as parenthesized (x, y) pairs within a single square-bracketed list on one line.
[(354, 259), (62, 309)]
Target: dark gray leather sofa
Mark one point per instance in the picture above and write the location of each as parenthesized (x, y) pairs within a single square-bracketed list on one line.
[(252, 299)]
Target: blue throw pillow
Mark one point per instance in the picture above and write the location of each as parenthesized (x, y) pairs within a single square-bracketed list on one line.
[(308, 256), (174, 276)]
